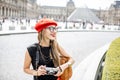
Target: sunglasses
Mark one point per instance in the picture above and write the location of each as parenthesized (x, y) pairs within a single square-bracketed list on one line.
[(52, 29)]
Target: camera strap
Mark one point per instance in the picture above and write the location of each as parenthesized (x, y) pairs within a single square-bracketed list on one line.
[(37, 60)]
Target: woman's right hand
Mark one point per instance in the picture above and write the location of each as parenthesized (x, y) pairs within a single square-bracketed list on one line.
[(41, 70)]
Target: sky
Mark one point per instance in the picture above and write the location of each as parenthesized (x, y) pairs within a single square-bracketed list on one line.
[(94, 4)]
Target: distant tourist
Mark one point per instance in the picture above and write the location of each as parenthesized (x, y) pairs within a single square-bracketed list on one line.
[(103, 27), (0, 24), (3, 20), (119, 27), (74, 25), (84, 24)]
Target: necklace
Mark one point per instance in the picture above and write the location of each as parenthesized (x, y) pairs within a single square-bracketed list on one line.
[(46, 59)]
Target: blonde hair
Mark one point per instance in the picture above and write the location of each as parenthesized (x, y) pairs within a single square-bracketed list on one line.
[(54, 54)]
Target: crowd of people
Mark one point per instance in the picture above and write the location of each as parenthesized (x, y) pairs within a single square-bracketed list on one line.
[(86, 25)]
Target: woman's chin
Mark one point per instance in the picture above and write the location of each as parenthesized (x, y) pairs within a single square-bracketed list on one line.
[(52, 39)]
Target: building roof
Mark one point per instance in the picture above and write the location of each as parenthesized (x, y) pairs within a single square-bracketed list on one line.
[(117, 4), (81, 14), (70, 3)]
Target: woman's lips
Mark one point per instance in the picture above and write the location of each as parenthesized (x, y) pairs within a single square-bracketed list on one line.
[(53, 35)]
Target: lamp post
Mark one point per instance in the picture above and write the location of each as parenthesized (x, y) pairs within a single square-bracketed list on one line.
[(66, 17)]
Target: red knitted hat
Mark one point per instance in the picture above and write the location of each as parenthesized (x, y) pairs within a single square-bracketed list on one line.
[(44, 23)]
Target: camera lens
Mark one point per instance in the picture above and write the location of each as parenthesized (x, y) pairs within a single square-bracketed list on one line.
[(51, 71)]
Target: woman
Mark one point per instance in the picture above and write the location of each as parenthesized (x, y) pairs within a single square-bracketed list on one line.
[(49, 52)]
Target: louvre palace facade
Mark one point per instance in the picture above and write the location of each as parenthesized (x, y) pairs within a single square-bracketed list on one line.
[(30, 9)]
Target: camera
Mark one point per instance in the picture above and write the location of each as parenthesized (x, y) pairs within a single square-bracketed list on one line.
[(51, 71)]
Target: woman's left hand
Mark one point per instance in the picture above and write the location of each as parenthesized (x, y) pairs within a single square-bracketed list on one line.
[(60, 71)]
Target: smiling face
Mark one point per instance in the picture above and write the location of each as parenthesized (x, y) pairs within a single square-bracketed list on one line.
[(50, 32)]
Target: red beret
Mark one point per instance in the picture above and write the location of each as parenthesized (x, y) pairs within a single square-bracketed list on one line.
[(44, 23)]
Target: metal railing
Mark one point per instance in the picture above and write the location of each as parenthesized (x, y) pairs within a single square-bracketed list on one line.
[(98, 75)]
